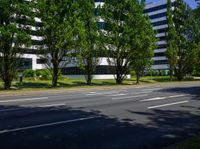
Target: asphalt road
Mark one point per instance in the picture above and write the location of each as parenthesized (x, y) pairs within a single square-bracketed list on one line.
[(124, 118)]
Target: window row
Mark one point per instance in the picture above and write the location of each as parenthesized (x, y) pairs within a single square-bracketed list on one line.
[(160, 62), (159, 23), (159, 54), (100, 70), (160, 15)]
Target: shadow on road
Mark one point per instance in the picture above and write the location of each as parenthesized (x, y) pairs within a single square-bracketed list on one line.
[(194, 91), (70, 128)]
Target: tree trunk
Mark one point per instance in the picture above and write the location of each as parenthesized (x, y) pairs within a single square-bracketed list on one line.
[(7, 78), (119, 79), (89, 71), (171, 74), (89, 79), (179, 75), (7, 83), (138, 77), (55, 76)]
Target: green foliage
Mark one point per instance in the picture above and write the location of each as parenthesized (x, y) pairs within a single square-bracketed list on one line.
[(132, 73), (172, 51), (181, 40), (116, 36), (157, 73), (44, 74), (60, 29), (90, 47), (197, 37), (12, 37), (142, 43), (129, 36), (29, 73)]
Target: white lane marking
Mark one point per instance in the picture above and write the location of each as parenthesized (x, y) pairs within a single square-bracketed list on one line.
[(169, 104), (161, 98), (51, 105), (182, 95), (127, 97), (101, 93), (25, 99), (136, 93), (114, 95), (48, 124)]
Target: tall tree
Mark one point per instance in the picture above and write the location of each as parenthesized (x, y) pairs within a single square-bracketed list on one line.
[(129, 36), (171, 34), (88, 54), (197, 37), (13, 36), (60, 27), (142, 40), (183, 20), (116, 38), (143, 45)]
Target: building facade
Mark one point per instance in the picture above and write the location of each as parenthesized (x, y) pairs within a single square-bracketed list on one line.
[(157, 13)]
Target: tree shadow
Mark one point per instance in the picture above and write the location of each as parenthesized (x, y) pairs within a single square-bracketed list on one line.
[(32, 85), (64, 127), (194, 91)]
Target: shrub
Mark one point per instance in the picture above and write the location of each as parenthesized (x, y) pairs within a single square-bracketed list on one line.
[(43, 74), (29, 73), (196, 72), (155, 73), (132, 73), (162, 73)]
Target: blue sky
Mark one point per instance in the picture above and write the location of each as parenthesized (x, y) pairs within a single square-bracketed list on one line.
[(192, 3)]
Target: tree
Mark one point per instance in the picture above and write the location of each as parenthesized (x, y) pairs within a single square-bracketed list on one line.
[(116, 36), (60, 29), (171, 34), (197, 37), (88, 54), (13, 36), (183, 23), (142, 41)]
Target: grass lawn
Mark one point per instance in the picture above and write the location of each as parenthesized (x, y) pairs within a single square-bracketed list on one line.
[(193, 143), (31, 83)]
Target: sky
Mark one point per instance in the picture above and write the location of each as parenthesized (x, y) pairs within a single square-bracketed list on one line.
[(192, 3)]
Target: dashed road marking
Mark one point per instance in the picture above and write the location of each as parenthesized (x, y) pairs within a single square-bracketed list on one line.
[(161, 98), (169, 104), (128, 97)]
